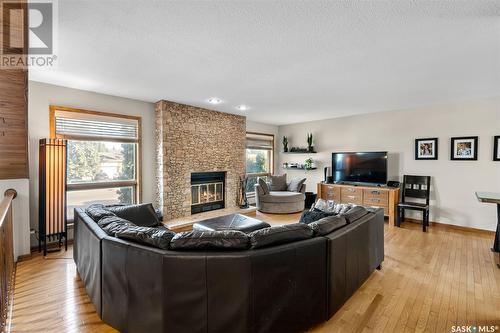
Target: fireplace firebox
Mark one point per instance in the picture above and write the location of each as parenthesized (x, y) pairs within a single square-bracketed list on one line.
[(207, 191)]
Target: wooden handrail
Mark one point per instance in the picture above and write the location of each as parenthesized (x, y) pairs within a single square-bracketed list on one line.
[(7, 264), (9, 195)]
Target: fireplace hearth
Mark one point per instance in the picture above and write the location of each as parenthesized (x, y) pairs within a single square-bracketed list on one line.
[(207, 191)]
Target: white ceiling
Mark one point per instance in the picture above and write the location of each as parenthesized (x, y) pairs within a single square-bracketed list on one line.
[(290, 61)]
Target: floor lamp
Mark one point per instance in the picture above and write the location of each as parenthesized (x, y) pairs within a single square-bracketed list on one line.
[(52, 193)]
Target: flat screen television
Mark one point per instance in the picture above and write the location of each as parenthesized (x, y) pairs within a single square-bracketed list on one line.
[(360, 167)]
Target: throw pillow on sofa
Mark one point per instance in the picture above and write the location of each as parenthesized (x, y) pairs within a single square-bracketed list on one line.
[(330, 206), (313, 216), (279, 235), (278, 183), (263, 186), (210, 240), (355, 213), (296, 184), (97, 212), (323, 205), (341, 208), (143, 215), (159, 237), (113, 224), (327, 225)]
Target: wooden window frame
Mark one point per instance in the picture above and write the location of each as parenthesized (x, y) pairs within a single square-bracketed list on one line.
[(137, 183), (271, 169)]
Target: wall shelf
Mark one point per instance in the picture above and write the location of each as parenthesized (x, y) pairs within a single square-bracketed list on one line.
[(306, 169), (299, 152)]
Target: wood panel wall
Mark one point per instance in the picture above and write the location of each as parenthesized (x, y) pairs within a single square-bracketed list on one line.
[(14, 119)]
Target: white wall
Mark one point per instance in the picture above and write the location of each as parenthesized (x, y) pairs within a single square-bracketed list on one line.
[(20, 214), (42, 95), (454, 182)]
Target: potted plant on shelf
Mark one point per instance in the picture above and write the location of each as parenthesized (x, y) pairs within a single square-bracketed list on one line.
[(308, 164), (310, 146), (285, 144)]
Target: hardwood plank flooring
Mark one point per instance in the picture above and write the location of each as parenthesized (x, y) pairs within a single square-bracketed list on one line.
[(428, 282)]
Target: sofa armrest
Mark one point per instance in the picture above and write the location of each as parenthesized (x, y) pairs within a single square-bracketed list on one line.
[(259, 193), (87, 256)]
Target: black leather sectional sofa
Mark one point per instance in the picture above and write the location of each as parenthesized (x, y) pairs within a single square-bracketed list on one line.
[(284, 288)]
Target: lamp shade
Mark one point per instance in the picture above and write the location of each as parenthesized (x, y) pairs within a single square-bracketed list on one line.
[(52, 191)]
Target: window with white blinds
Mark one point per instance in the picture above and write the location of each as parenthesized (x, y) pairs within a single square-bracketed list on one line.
[(260, 141), (103, 164), (75, 124)]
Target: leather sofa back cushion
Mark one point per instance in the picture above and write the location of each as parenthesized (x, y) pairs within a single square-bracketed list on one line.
[(98, 211), (278, 183), (313, 216), (157, 237), (327, 225), (210, 240), (279, 235), (113, 224), (143, 215), (355, 213)]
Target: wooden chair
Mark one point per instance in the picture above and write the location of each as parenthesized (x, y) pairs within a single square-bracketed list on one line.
[(415, 187)]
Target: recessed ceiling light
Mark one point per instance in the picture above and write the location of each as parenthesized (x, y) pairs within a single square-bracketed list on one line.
[(214, 100), (243, 107)]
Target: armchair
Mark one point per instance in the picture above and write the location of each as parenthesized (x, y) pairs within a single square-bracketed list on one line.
[(280, 202)]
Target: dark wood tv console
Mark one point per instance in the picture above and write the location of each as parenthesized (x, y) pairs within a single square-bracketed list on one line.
[(375, 196)]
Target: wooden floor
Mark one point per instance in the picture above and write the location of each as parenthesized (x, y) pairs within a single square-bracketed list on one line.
[(429, 282)]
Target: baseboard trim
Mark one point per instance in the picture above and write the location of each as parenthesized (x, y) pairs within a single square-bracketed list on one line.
[(24, 257), (451, 226), (52, 245)]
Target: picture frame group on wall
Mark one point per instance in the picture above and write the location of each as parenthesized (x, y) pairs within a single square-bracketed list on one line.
[(464, 148), (496, 148), (426, 149)]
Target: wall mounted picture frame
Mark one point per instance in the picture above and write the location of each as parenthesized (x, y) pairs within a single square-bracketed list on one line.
[(496, 148), (426, 149), (464, 148)]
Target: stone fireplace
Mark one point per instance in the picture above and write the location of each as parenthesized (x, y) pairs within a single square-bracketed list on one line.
[(207, 191), (192, 140)]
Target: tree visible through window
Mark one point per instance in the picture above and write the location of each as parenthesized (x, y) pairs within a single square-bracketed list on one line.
[(259, 158), (102, 157), (128, 172)]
